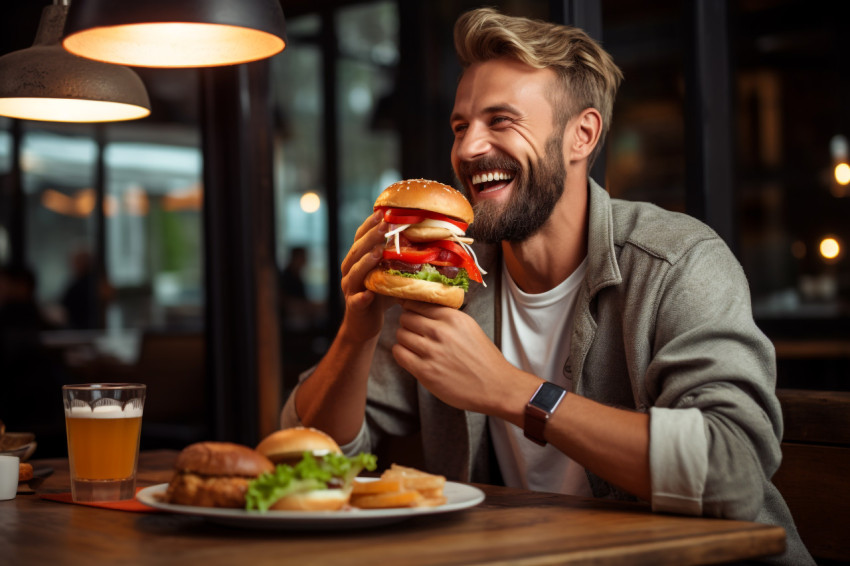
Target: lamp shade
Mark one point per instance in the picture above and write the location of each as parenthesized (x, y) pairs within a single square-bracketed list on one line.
[(45, 82), (175, 33)]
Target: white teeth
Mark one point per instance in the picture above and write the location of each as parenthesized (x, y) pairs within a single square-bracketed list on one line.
[(491, 176)]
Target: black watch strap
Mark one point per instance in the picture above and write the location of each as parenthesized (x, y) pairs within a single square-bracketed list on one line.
[(539, 408)]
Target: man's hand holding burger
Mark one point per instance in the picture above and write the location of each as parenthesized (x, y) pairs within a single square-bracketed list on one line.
[(449, 354), (364, 310), (413, 246)]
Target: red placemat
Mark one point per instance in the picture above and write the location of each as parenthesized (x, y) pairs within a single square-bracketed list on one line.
[(125, 505)]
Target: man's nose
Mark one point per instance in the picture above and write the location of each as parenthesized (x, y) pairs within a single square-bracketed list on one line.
[(475, 142)]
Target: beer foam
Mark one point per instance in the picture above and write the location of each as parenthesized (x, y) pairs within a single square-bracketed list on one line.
[(103, 412)]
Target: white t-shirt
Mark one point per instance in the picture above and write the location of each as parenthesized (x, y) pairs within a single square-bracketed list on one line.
[(536, 333)]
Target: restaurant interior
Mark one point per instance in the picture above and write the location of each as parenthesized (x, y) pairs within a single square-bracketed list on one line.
[(197, 249)]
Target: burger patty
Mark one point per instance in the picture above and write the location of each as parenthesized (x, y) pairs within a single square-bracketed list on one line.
[(187, 488), (405, 267)]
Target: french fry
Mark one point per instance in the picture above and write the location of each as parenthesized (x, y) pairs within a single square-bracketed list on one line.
[(386, 500), (378, 486), (399, 486), (412, 478)]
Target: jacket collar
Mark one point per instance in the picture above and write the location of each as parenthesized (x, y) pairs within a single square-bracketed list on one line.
[(602, 269)]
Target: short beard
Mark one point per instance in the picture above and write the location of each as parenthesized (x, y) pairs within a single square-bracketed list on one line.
[(537, 190)]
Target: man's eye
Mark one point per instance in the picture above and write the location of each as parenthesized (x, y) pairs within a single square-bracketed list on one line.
[(496, 120), (459, 128)]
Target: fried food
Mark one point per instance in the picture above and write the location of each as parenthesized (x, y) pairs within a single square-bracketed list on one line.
[(399, 486), (24, 472), (215, 474), (208, 491)]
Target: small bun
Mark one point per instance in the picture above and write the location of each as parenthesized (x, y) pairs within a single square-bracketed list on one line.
[(426, 195), (290, 443), (319, 500), (222, 459), (401, 287)]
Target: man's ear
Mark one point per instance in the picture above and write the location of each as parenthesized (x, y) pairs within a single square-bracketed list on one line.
[(583, 133)]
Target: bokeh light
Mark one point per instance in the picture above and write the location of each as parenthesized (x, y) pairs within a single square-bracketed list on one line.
[(829, 248), (310, 202), (842, 173)]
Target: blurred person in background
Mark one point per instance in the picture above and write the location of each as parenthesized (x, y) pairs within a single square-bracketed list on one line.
[(19, 309), (86, 293)]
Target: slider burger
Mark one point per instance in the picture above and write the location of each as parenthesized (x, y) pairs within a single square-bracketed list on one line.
[(215, 474), (427, 256), (312, 473)]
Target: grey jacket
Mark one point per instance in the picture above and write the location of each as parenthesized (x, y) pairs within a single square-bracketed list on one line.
[(663, 320)]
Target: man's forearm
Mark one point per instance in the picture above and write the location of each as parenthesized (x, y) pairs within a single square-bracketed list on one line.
[(612, 443), (333, 398)]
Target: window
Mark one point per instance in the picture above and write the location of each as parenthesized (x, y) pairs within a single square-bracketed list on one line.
[(328, 186)]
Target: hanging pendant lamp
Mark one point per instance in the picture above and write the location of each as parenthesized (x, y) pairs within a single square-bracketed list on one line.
[(175, 33), (45, 82)]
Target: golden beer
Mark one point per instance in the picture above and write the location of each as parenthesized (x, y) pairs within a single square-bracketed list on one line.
[(103, 448), (103, 423)]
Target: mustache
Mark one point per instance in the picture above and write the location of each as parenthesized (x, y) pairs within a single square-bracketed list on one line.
[(487, 163)]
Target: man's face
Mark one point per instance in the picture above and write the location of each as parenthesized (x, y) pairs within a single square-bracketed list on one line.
[(507, 155)]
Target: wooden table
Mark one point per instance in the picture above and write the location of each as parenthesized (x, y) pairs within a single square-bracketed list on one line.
[(511, 527)]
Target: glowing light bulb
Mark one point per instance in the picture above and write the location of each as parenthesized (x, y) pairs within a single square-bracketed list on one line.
[(310, 202), (829, 248), (842, 173)]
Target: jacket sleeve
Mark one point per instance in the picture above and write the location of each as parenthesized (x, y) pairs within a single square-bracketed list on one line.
[(709, 355)]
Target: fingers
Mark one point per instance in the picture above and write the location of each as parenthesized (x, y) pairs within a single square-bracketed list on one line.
[(412, 340), (417, 333), (370, 222), (364, 255), (369, 236)]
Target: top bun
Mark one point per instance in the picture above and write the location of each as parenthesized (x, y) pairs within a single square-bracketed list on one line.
[(288, 445), (426, 195), (222, 459)]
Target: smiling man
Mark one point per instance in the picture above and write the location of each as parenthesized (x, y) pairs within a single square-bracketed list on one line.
[(613, 351)]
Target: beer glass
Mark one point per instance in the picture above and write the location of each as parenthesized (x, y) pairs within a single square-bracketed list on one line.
[(103, 422)]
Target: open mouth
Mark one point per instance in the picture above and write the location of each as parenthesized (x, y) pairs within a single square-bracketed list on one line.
[(491, 180)]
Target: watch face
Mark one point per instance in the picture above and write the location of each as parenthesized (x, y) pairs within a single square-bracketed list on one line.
[(548, 397)]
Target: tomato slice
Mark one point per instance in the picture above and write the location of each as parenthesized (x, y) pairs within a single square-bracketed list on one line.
[(402, 216), (412, 254), (415, 216), (466, 260), (440, 252)]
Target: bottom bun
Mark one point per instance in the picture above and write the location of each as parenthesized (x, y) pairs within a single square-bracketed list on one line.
[(384, 283), (319, 500)]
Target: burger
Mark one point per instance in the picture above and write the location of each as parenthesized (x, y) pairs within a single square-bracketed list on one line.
[(287, 446), (215, 474), (427, 256), (313, 473)]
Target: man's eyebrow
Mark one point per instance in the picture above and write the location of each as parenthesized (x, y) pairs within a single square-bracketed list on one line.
[(494, 109), (500, 108)]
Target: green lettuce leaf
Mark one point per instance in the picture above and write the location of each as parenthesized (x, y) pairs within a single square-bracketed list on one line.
[(309, 474), (430, 273)]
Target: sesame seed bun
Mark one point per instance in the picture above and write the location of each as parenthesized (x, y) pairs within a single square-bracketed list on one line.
[(426, 195)]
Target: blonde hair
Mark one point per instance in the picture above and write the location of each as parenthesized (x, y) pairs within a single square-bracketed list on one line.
[(587, 76)]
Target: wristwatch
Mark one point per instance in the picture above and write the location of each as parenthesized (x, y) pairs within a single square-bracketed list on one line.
[(541, 406)]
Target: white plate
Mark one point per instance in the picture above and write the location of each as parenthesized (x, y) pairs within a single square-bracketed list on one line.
[(459, 496)]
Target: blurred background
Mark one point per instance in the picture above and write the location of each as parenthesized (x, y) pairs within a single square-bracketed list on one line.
[(211, 270)]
